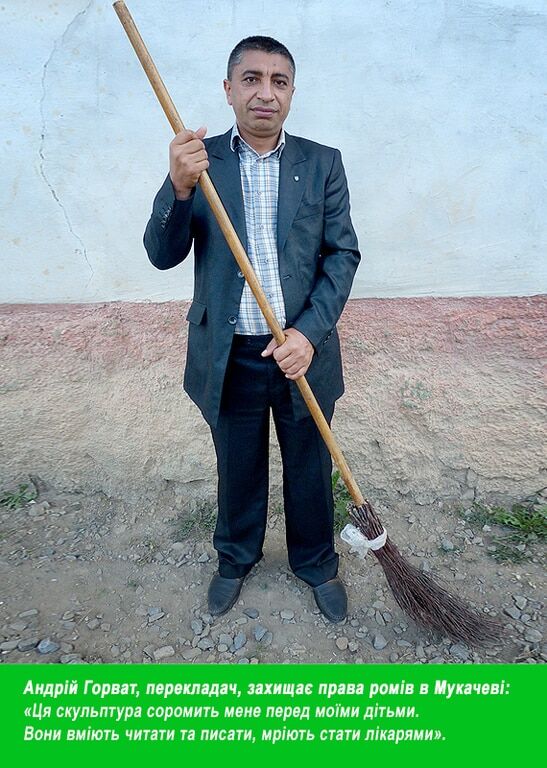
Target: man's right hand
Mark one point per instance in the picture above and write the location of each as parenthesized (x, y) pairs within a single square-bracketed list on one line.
[(187, 160)]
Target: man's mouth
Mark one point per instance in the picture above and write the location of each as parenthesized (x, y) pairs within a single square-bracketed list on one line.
[(263, 111)]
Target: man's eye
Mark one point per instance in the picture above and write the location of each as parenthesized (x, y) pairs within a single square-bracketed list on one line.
[(281, 83), (250, 79)]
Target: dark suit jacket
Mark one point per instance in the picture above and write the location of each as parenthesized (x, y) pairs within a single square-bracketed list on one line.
[(318, 256)]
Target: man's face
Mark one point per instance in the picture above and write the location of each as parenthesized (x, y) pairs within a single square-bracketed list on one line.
[(260, 93)]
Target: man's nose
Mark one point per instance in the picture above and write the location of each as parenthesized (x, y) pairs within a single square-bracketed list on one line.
[(265, 92)]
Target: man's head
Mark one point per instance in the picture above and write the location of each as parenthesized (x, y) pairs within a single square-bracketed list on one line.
[(259, 87), (259, 43)]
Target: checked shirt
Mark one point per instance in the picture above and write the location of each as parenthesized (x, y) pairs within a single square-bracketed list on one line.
[(260, 183)]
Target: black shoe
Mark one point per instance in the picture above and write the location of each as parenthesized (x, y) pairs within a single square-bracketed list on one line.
[(332, 600), (223, 593)]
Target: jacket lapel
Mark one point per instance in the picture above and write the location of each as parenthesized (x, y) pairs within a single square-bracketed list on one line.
[(227, 181), (292, 181), (224, 173)]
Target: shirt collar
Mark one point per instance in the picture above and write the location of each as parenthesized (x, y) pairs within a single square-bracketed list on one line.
[(235, 139)]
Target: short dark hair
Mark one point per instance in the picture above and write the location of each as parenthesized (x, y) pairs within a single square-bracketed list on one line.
[(258, 43)]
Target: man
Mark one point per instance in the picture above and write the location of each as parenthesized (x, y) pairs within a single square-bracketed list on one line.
[(287, 198)]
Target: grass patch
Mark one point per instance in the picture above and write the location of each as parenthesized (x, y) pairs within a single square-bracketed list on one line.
[(529, 521), (342, 502), (506, 551), (524, 523), (198, 521), (19, 498)]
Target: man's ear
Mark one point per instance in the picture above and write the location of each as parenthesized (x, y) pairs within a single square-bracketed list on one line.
[(228, 91)]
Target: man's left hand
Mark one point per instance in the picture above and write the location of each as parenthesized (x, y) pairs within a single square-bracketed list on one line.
[(294, 355)]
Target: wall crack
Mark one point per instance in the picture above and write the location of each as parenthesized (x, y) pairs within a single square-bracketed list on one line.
[(56, 46)]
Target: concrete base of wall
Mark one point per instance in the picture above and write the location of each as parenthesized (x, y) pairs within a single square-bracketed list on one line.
[(443, 399)]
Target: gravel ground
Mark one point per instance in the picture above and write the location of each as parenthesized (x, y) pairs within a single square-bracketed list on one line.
[(96, 580)]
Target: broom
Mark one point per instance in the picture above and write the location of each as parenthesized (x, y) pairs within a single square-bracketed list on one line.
[(415, 592)]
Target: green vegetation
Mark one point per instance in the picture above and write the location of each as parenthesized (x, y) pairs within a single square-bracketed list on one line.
[(524, 524), (18, 498), (342, 502), (530, 521), (199, 520)]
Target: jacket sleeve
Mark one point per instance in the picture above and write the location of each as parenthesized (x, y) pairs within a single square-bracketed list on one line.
[(337, 265), (168, 234)]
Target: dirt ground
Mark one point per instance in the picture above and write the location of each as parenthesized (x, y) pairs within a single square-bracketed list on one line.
[(98, 580)]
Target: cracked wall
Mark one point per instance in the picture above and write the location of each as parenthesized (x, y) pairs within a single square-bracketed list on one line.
[(59, 46), (436, 107)]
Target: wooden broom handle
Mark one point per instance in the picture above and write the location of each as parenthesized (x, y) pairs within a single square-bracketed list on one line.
[(235, 245)]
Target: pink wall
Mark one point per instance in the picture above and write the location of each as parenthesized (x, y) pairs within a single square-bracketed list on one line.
[(443, 398)]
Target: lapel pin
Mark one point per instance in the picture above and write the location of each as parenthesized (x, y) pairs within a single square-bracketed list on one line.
[(297, 178)]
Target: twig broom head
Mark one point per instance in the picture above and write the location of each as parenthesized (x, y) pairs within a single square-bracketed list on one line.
[(419, 596)]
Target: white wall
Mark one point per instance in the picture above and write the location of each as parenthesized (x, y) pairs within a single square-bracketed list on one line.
[(438, 108)]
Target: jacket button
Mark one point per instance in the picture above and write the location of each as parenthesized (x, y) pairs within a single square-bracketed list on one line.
[(240, 274), (232, 320)]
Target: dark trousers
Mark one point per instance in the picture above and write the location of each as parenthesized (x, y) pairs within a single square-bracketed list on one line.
[(252, 387)]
